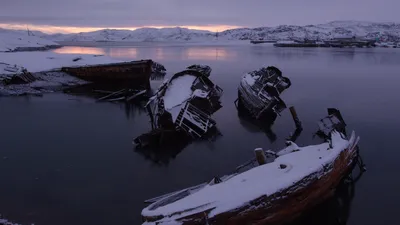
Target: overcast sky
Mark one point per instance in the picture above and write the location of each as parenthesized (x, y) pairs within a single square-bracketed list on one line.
[(209, 13)]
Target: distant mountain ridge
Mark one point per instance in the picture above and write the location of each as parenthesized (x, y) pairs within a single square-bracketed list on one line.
[(373, 30)]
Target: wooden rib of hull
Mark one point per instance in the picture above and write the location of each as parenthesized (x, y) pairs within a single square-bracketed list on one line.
[(287, 205), (137, 72)]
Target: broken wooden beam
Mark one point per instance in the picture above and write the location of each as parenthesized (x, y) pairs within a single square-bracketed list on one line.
[(112, 94), (116, 99), (260, 156), (103, 92), (295, 118), (142, 92)]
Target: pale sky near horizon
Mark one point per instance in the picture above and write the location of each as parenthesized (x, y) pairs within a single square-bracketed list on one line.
[(84, 15)]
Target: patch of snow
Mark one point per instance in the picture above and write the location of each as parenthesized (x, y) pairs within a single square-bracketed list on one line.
[(178, 91), (45, 83), (170, 222), (249, 79), (289, 149), (6, 222), (286, 42), (200, 93), (7, 69), (175, 111), (252, 184)]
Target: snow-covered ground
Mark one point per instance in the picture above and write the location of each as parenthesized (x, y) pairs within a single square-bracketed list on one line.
[(14, 60), (20, 41), (45, 83), (383, 31), (45, 61), (44, 67)]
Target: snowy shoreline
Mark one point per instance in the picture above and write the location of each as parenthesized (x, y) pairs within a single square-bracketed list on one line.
[(15, 41), (34, 49), (152, 43), (45, 68)]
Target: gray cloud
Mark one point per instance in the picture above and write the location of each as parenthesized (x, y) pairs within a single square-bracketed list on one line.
[(251, 13)]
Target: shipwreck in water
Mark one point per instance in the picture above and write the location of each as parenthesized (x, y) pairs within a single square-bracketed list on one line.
[(182, 106), (275, 187), (133, 73), (259, 92)]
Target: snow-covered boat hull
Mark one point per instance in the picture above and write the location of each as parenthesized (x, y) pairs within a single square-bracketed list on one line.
[(259, 92), (296, 181), (183, 105)]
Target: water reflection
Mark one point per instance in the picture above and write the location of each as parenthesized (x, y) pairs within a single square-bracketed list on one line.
[(255, 126), (96, 91), (160, 55), (336, 210), (80, 50), (161, 155), (208, 53), (122, 52), (162, 146)]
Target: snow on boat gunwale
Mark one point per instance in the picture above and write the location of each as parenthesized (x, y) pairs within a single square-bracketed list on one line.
[(298, 179)]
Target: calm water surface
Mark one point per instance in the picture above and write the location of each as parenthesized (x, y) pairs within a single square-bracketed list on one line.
[(66, 159)]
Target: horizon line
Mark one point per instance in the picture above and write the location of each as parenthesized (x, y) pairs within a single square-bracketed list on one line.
[(49, 29)]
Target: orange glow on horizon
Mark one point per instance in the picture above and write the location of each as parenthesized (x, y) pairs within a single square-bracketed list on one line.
[(71, 29)]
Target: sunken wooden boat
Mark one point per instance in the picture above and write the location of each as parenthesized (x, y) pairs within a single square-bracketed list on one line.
[(278, 192), (134, 72), (184, 103), (259, 92)]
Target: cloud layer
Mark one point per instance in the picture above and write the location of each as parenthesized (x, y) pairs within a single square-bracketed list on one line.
[(139, 13)]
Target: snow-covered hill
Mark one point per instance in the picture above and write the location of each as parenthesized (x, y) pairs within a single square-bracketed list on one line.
[(383, 31), (140, 35), (11, 40)]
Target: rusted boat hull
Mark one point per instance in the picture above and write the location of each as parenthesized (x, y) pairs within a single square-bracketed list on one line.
[(287, 205), (136, 73)]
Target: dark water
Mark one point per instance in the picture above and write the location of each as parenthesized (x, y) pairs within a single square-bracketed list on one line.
[(68, 160)]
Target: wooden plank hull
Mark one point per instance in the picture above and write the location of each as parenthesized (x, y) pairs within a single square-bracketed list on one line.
[(286, 205), (135, 72)]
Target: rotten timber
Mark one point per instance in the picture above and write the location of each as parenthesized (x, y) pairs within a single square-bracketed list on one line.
[(134, 72)]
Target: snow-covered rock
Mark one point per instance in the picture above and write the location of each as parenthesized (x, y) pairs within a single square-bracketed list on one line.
[(383, 31), (11, 40)]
